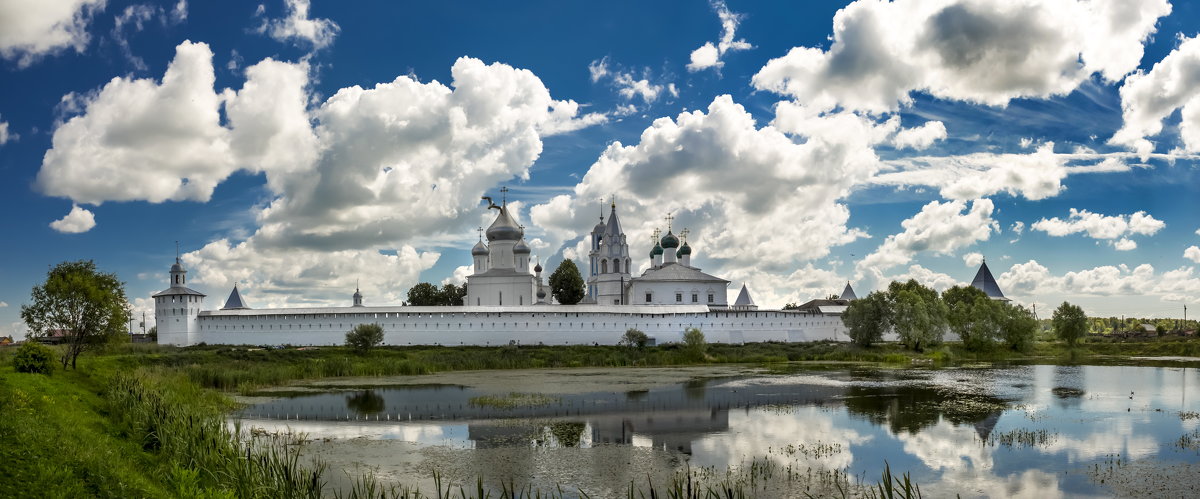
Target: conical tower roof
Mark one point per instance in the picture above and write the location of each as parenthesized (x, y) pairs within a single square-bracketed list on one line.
[(848, 293), (743, 299), (235, 301), (986, 283), (614, 223)]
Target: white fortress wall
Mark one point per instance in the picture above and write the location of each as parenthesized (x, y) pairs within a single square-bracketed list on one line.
[(544, 324)]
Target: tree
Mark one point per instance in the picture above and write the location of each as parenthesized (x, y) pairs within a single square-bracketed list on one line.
[(364, 337), (693, 343), (1070, 323), (424, 295), (918, 314), (1018, 327), (974, 316), (634, 338), (87, 306), (566, 284), (868, 318), (153, 334), (452, 295)]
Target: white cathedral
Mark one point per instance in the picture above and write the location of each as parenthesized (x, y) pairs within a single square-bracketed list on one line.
[(509, 303)]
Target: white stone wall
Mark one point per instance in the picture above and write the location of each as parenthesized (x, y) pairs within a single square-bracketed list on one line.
[(176, 318), (501, 290), (444, 326)]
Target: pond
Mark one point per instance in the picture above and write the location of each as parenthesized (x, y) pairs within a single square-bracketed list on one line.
[(1034, 430)]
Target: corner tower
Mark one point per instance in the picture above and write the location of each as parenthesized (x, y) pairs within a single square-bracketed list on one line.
[(176, 309)]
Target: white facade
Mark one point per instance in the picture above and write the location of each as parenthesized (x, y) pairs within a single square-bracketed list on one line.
[(609, 272), (501, 269), (177, 310)]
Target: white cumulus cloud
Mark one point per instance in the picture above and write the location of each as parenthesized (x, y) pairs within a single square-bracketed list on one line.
[(628, 86), (30, 29), (78, 220), (939, 228), (1115, 229), (952, 49), (1149, 98), (296, 27), (709, 55), (1192, 253), (973, 259)]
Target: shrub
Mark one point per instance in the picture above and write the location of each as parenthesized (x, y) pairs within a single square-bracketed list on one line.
[(364, 337), (693, 343), (34, 357), (634, 338)]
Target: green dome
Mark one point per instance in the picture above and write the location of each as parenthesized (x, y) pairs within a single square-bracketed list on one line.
[(670, 241), (685, 250), (656, 251)]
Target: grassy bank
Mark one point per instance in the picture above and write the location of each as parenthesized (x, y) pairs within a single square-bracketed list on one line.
[(148, 421)]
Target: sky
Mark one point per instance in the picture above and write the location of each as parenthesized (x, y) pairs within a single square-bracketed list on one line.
[(303, 149)]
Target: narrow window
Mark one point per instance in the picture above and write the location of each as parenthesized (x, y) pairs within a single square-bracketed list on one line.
[(710, 297), (647, 297), (695, 298), (678, 297)]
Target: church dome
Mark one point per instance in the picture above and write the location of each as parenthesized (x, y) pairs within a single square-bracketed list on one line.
[(685, 250), (538, 268), (479, 249), (521, 247), (504, 228), (670, 241), (599, 228), (656, 251), (541, 294)]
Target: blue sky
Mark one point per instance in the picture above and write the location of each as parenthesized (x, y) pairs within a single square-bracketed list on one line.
[(300, 149)]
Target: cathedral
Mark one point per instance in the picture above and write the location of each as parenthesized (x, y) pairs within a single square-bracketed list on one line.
[(501, 274)]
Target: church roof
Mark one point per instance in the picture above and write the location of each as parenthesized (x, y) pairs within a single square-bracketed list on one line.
[(521, 247), (744, 299), (986, 283), (674, 272), (614, 223), (504, 228), (235, 301), (178, 290), (479, 249), (848, 293)]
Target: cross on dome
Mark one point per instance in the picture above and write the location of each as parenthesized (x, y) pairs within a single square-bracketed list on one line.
[(504, 196), (669, 219)]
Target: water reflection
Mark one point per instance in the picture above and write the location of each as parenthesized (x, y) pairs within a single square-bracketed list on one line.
[(958, 431)]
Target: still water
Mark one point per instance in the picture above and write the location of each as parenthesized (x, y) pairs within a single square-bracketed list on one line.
[(1036, 430)]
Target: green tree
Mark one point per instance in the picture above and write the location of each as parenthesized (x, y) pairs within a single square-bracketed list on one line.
[(974, 316), (364, 337), (566, 284), (153, 334), (424, 295), (918, 314), (1070, 323), (693, 343), (34, 357), (87, 306), (1018, 327), (868, 318), (452, 295), (634, 338)]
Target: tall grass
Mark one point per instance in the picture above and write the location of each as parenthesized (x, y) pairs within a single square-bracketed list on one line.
[(205, 457)]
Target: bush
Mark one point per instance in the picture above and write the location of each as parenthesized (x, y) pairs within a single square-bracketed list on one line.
[(634, 338), (693, 343), (34, 357), (364, 337)]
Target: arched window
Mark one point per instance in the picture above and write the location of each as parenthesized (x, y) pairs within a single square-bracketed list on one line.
[(617, 266), (603, 266)]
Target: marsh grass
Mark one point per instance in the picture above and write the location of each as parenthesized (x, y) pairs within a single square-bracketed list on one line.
[(513, 400)]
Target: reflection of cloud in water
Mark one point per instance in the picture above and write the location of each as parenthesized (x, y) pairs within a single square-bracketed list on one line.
[(967, 466), (1107, 437), (764, 433), (947, 446), (428, 434)]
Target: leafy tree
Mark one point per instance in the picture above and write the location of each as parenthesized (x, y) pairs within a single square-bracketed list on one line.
[(1018, 327), (364, 337), (452, 295), (918, 314), (868, 318), (1070, 323), (153, 334), (424, 295), (693, 343), (974, 316), (566, 284), (634, 338), (34, 357), (86, 305), (791, 306)]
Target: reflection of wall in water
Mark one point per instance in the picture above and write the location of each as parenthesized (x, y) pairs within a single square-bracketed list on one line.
[(674, 430)]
